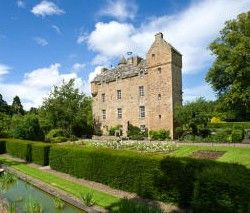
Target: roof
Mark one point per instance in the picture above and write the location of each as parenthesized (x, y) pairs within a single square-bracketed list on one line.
[(123, 71)]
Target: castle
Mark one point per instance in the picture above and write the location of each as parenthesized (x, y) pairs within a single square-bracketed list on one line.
[(141, 92)]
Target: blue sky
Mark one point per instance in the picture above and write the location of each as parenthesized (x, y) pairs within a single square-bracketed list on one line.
[(44, 42)]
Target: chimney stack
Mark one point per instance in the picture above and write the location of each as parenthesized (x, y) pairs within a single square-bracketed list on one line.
[(158, 36)]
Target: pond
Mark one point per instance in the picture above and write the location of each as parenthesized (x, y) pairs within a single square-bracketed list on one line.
[(23, 197)]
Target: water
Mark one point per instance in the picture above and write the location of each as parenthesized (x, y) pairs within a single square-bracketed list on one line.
[(21, 192)]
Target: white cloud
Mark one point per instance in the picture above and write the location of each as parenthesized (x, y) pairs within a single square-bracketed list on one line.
[(56, 29), (190, 31), (46, 8), (37, 84), (77, 67), (82, 38), (191, 94), (93, 74), (4, 69), (120, 9), (41, 41), (20, 4)]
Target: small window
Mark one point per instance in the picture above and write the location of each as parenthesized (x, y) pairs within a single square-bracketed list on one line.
[(159, 96), (159, 116), (119, 113), (153, 55), (141, 91), (142, 111), (159, 70), (119, 94), (104, 114), (103, 97)]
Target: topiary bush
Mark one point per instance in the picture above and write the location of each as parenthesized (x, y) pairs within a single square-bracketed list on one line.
[(40, 153), (56, 136), (237, 135)]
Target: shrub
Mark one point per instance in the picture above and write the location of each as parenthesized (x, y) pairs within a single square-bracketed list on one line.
[(2, 146), (19, 149), (27, 127), (237, 135), (56, 136), (135, 133), (161, 134), (112, 130), (246, 125), (215, 120), (40, 153)]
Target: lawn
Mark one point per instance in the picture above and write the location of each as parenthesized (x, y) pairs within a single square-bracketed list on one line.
[(240, 155)]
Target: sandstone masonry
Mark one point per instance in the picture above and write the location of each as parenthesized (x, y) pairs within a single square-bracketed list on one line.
[(141, 92)]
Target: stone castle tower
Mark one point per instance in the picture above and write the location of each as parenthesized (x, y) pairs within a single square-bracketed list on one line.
[(142, 92)]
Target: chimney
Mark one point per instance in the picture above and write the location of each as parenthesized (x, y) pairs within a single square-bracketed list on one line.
[(158, 36)]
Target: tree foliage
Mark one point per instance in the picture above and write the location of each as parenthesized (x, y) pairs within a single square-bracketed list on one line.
[(17, 107), (194, 115), (230, 73), (69, 109)]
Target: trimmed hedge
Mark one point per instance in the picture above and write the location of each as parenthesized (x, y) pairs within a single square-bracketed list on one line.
[(19, 149), (244, 125), (168, 179), (27, 150), (40, 153)]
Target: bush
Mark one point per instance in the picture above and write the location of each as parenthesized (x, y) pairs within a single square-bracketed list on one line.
[(237, 135), (135, 133), (56, 136), (2, 146), (27, 127), (245, 125), (19, 149), (168, 179), (160, 135), (40, 153), (112, 130)]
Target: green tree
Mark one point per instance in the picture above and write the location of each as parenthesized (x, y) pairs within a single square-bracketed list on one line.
[(194, 115), (230, 72), (69, 109), (4, 107), (17, 107), (5, 122)]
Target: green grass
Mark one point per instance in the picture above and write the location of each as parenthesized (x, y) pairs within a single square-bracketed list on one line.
[(102, 199), (240, 155)]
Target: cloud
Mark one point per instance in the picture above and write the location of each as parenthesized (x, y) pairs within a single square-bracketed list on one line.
[(82, 38), (77, 67), (46, 8), (119, 9), (41, 41), (20, 4), (37, 84), (190, 31), (191, 94), (56, 29), (4, 69), (93, 74)]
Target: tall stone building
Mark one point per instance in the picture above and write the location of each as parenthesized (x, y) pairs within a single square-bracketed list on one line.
[(141, 92)]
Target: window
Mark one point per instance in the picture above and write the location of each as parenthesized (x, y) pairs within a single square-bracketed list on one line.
[(119, 94), (103, 114), (153, 56), (159, 96), (141, 90), (119, 113), (159, 70), (103, 97), (159, 116), (142, 111)]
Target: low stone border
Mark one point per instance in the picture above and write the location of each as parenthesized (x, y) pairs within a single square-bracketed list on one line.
[(66, 197)]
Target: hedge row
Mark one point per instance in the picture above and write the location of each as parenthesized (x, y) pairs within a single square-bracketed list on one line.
[(244, 125), (27, 150), (188, 182)]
